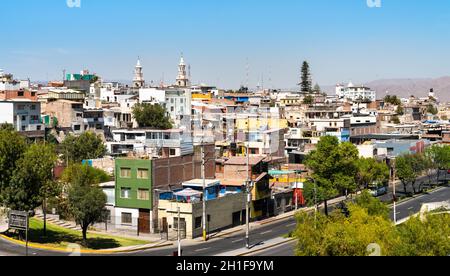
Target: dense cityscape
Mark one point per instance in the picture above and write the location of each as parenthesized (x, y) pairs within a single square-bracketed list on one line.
[(90, 166)]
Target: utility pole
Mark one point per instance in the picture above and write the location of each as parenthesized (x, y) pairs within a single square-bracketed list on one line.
[(178, 234), (248, 189), (205, 238)]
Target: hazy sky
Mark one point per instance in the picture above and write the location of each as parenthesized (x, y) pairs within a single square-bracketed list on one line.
[(342, 39)]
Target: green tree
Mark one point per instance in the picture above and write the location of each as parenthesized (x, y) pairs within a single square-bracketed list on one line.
[(334, 170), (409, 167), (427, 237), (12, 148), (432, 109), (86, 200), (339, 235), (152, 116), (33, 171), (309, 100), (305, 82), (97, 176), (371, 171), (440, 158), (317, 89), (86, 146), (373, 206), (393, 100)]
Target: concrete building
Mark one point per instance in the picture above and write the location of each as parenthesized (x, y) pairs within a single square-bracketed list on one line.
[(24, 115), (355, 93), (67, 114), (150, 142)]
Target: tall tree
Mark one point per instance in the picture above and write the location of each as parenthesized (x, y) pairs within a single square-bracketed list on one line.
[(305, 82), (440, 158), (33, 171), (86, 200), (334, 170), (151, 116), (86, 146), (12, 149), (371, 171), (409, 167)]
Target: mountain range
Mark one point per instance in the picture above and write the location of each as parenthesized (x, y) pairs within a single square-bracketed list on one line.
[(419, 87)]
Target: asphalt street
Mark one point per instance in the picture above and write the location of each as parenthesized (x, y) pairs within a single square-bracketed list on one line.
[(236, 241)]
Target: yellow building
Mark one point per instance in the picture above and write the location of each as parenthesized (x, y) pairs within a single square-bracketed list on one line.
[(258, 123), (201, 97)]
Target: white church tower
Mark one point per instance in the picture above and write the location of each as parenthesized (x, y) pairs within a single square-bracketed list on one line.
[(182, 78), (138, 80)]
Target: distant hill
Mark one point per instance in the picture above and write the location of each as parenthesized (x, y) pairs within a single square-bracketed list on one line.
[(407, 87)]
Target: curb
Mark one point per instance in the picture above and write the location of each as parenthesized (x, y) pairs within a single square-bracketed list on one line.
[(265, 248), (415, 198), (84, 251)]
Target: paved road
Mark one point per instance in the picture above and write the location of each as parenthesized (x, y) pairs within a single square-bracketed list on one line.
[(404, 210), (237, 240)]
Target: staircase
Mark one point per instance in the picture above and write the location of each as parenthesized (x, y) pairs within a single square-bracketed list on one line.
[(56, 221)]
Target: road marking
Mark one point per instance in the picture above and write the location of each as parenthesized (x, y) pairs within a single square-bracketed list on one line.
[(410, 208), (267, 232), (292, 224), (236, 241), (203, 249)]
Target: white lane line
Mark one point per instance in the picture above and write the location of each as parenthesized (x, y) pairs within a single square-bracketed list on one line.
[(202, 249), (267, 232), (236, 241), (292, 224), (410, 208)]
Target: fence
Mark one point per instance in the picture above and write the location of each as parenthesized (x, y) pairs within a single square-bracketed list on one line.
[(170, 232)]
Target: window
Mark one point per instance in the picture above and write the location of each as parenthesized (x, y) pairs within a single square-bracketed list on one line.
[(172, 152), (143, 194), (20, 94), (33, 94), (33, 107), (125, 193), (24, 118), (198, 222), (125, 172), (77, 127), (142, 174), (127, 218)]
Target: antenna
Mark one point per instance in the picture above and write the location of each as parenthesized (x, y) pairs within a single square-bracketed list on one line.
[(247, 74)]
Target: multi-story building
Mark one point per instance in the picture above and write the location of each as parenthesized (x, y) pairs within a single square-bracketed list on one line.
[(24, 115), (134, 193), (150, 142), (66, 114), (355, 93)]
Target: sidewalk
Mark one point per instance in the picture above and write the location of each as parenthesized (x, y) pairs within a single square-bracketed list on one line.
[(257, 224)]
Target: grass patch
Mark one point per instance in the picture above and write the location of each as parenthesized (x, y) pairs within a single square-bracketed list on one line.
[(59, 237)]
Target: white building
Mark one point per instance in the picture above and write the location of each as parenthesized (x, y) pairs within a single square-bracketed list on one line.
[(177, 101), (24, 115), (352, 92), (152, 143), (7, 82)]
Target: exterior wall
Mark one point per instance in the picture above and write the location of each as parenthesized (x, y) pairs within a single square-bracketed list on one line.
[(118, 218), (65, 114), (220, 212), (16, 94), (134, 183), (24, 116), (7, 113)]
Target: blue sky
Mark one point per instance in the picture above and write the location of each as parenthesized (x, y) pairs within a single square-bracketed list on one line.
[(342, 39)]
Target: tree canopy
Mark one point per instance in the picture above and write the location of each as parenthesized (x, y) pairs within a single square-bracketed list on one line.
[(151, 116), (305, 82), (86, 200), (86, 146)]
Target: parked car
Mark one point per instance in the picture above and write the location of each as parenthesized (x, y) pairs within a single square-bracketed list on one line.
[(377, 191)]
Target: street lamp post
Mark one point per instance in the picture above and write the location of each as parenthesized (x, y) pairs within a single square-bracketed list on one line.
[(248, 190)]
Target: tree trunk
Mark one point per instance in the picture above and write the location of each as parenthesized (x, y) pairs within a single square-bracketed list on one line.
[(405, 188), (45, 217), (438, 174), (326, 207), (84, 229), (413, 184)]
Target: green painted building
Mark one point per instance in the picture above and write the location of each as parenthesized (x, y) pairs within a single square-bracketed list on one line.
[(134, 184)]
